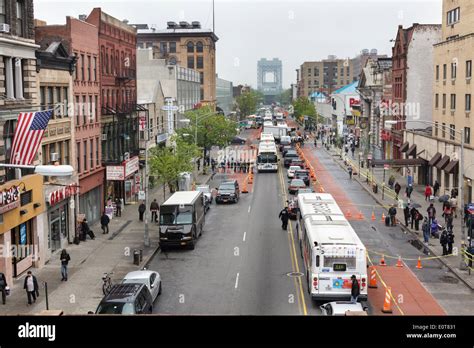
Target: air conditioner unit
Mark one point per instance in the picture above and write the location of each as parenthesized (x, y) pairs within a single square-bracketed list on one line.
[(104, 136), (4, 28), (54, 156)]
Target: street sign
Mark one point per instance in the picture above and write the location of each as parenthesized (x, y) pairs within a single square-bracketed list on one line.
[(169, 108)]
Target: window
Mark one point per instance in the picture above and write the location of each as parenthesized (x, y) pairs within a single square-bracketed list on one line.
[(452, 131), (453, 16), (97, 152), (43, 98), (78, 157), (468, 102), (91, 109), (191, 62), (83, 107), (436, 100), (467, 135), (453, 101), (443, 130), (2, 11), (200, 62), (78, 111), (454, 69), (95, 69), (190, 47), (309, 71), (201, 78), (437, 72), (58, 103), (66, 152), (436, 128), (444, 101), (66, 101), (445, 71), (172, 47), (468, 69), (91, 148), (83, 64), (164, 47), (199, 47), (96, 107), (89, 76), (20, 16), (202, 94), (50, 99), (85, 155)]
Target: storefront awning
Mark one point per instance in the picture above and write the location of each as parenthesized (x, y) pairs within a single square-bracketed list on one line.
[(452, 167), (435, 159), (404, 147), (443, 163), (412, 151)]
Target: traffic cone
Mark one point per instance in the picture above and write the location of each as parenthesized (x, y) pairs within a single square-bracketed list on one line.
[(250, 179), (321, 189), (373, 216), (348, 213), (387, 304), (419, 263), (399, 262), (244, 186), (360, 216), (373, 278), (382, 261), (383, 218)]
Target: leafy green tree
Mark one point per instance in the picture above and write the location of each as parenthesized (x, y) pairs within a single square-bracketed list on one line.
[(284, 98), (304, 107), (248, 101)]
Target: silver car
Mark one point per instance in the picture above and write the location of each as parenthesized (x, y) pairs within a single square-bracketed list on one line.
[(151, 279), (342, 308), (206, 191)]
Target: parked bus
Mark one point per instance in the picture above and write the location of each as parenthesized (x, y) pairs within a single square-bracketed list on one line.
[(182, 219), (267, 158), (331, 250)]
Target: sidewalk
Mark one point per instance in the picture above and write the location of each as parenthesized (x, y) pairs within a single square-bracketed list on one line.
[(89, 261), (417, 196)]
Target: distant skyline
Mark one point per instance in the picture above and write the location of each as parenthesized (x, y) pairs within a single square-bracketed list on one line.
[(293, 31)]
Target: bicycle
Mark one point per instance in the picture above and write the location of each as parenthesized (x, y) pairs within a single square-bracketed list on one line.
[(107, 283)]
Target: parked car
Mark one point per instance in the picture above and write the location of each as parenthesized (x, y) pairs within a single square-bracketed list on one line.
[(303, 175), (238, 141), (289, 157), (297, 162), (134, 298), (228, 191), (206, 191), (291, 171), (296, 184), (151, 279), (340, 308), (285, 149)]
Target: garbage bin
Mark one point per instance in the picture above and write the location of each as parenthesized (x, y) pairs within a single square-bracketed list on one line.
[(136, 257), (375, 188)]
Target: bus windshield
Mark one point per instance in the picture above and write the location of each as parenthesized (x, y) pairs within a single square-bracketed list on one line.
[(267, 158), (174, 215)]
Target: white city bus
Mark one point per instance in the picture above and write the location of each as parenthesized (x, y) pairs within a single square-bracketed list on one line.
[(331, 250), (267, 137), (267, 158)]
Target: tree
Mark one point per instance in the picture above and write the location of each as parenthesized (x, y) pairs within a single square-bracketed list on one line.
[(248, 101), (166, 163), (284, 98), (304, 107)]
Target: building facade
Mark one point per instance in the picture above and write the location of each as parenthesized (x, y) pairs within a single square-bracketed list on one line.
[(225, 98), (81, 40), (189, 46), (359, 61)]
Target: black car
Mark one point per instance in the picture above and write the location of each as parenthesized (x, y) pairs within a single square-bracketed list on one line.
[(289, 157), (228, 191), (285, 149), (303, 175), (238, 141), (133, 298)]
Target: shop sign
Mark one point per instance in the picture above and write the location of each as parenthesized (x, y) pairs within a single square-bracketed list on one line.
[(142, 121), (115, 173), (132, 166), (62, 194), (9, 199)]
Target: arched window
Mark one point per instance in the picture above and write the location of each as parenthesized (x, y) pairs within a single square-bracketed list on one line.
[(199, 47), (190, 46)]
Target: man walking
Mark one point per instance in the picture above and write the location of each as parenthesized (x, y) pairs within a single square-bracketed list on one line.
[(141, 211), (431, 213), (65, 258), (397, 189), (350, 172), (443, 240), (393, 215), (118, 206), (154, 207), (426, 231), (355, 289), (31, 287), (413, 216), (450, 242), (436, 188), (3, 287), (409, 190), (104, 223), (406, 213), (284, 218)]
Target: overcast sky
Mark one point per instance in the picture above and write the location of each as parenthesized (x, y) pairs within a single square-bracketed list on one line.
[(292, 30)]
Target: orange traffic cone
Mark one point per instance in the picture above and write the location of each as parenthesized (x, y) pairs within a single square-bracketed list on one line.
[(250, 179), (383, 218), (348, 214), (244, 186), (373, 278), (419, 263), (373, 216), (399, 262), (382, 261), (387, 304), (360, 216), (321, 189)]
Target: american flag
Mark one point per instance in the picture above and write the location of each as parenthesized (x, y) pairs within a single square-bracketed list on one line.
[(28, 134)]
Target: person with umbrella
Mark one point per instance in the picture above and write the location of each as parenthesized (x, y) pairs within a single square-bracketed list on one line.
[(413, 212)]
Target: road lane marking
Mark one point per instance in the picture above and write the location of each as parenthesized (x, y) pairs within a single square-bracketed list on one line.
[(245, 233), (294, 259), (249, 208), (237, 281)]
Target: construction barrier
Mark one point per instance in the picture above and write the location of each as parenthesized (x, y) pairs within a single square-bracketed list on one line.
[(373, 278), (387, 304)]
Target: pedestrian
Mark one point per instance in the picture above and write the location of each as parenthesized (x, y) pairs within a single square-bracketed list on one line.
[(413, 216), (65, 258), (284, 218), (3, 287), (86, 230), (406, 213), (426, 230), (118, 206), (434, 229), (409, 190), (436, 188), (418, 218), (393, 215), (397, 189), (31, 287), (454, 192), (431, 213), (454, 205), (104, 223), (391, 182), (353, 149), (443, 240), (141, 211), (450, 242), (355, 289), (447, 212), (213, 165), (350, 172), (154, 208), (428, 192), (199, 164)]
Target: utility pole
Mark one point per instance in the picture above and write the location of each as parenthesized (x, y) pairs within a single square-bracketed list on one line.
[(146, 181), (213, 18)]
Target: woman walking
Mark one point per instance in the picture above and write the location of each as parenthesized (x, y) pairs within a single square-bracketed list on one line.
[(65, 258)]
